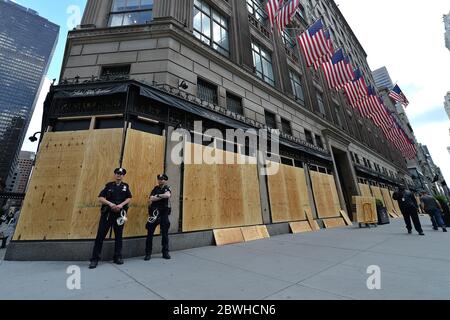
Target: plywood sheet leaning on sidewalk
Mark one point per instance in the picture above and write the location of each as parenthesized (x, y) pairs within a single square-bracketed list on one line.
[(365, 190), (325, 194), (311, 221), (346, 218), (252, 233), (388, 201), (219, 195), (288, 194), (48, 204), (376, 191), (144, 158), (228, 236), (262, 231), (300, 227), (334, 223), (101, 158), (396, 206), (365, 209)]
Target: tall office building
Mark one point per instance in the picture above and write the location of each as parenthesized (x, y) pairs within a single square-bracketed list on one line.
[(27, 43), (382, 78), (447, 30), (19, 180), (447, 104)]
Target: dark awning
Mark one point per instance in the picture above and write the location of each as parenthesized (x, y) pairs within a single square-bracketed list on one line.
[(92, 91)]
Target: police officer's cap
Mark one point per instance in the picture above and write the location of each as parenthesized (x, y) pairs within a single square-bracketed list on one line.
[(163, 177), (120, 171)]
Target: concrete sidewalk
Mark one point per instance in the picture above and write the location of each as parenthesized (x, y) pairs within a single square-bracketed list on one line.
[(329, 264)]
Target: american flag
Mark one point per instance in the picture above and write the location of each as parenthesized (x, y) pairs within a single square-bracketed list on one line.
[(356, 89), (398, 96), (272, 7), (338, 71), (313, 43), (286, 13), (327, 56)]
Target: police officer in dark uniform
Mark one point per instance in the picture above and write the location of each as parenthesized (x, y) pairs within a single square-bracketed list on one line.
[(114, 198), (409, 208), (159, 211)]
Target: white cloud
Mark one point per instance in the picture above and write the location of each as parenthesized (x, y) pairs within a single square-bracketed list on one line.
[(407, 36), (436, 136), (36, 120)]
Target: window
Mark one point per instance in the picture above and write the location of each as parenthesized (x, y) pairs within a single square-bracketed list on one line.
[(357, 159), (255, 8), (337, 114), (211, 27), (130, 12), (263, 64), (320, 103), (288, 40), (319, 141), (297, 87), (309, 137), (207, 91), (286, 127), (234, 104), (115, 72), (270, 120)]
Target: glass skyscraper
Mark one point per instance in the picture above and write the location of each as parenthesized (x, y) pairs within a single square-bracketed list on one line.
[(27, 43), (382, 78)]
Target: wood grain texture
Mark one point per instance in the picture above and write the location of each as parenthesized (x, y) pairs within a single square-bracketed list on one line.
[(376, 191), (366, 209), (288, 194), (365, 190), (220, 195), (144, 158), (334, 223), (71, 169), (228, 236), (300, 227), (325, 195)]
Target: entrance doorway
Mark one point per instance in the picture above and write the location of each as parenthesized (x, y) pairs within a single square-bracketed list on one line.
[(344, 173)]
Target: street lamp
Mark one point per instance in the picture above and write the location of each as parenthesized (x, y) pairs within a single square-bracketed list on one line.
[(33, 138)]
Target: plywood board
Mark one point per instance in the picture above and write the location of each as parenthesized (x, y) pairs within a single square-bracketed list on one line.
[(228, 236), (334, 223), (288, 194), (395, 202), (376, 191), (365, 190), (312, 222), (251, 234), (144, 158), (300, 227), (325, 195), (48, 204), (262, 231), (388, 200), (101, 158), (220, 195), (346, 218), (366, 209)]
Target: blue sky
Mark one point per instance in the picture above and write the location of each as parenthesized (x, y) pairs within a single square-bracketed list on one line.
[(56, 12)]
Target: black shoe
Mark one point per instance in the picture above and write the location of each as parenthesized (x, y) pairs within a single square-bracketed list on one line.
[(409, 231), (147, 257), (444, 229), (421, 234), (94, 264), (166, 256), (118, 261), (435, 228)]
